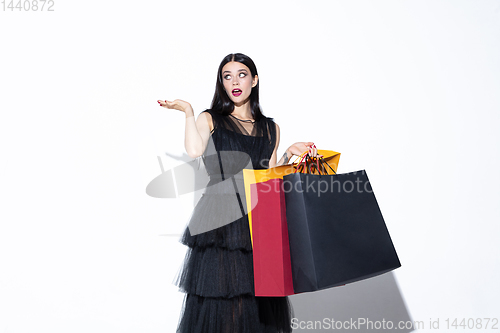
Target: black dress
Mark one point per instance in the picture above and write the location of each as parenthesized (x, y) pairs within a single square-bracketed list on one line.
[(217, 273)]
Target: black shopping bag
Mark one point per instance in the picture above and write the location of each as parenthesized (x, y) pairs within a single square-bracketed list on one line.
[(336, 231)]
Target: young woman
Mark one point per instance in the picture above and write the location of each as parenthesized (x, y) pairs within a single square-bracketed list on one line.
[(217, 275)]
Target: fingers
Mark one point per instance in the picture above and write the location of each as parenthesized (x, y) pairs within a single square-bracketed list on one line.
[(162, 103), (313, 151), (311, 148), (166, 103)]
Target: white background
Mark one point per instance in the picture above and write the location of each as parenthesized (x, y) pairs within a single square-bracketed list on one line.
[(408, 90)]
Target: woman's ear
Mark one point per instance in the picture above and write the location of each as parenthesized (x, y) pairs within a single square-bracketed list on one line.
[(255, 81)]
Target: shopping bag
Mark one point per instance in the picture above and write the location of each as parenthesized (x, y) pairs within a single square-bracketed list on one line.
[(337, 233), (252, 176), (269, 231), (271, 252)]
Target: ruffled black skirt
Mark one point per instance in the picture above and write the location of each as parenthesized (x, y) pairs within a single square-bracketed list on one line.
[(217, 277)]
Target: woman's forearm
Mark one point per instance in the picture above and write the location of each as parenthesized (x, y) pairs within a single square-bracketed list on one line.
[(285, 158)]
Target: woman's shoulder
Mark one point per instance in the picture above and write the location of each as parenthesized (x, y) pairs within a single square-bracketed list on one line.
[(269, 121), (211, 113), (210, 116), (270, 126)]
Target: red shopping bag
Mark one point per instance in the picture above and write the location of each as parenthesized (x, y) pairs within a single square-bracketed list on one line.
[(271, 250)]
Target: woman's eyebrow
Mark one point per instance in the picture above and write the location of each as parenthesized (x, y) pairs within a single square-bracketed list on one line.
[(239, 70)]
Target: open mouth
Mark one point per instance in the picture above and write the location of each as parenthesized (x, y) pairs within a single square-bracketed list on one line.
[(236, 92)]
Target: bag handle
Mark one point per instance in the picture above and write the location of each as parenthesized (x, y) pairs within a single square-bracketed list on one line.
[(319, 161), (322, 161), (301, 155), (308, 166), (301, 159)]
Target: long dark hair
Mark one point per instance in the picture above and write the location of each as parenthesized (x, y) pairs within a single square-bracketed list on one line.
[(221, 102)]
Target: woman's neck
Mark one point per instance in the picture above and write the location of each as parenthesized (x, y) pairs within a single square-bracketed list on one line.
[(242, 111)]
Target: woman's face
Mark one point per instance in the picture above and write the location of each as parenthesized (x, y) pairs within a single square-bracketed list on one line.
[(238, 82)]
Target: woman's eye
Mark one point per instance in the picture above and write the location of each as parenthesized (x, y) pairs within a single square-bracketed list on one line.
[(227, 77), (242, 75)]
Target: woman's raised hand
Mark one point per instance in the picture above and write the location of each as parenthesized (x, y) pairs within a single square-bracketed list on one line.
[(178, 104), (300, 147)]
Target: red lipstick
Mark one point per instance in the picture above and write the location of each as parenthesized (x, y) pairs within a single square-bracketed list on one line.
[(236, 92)]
